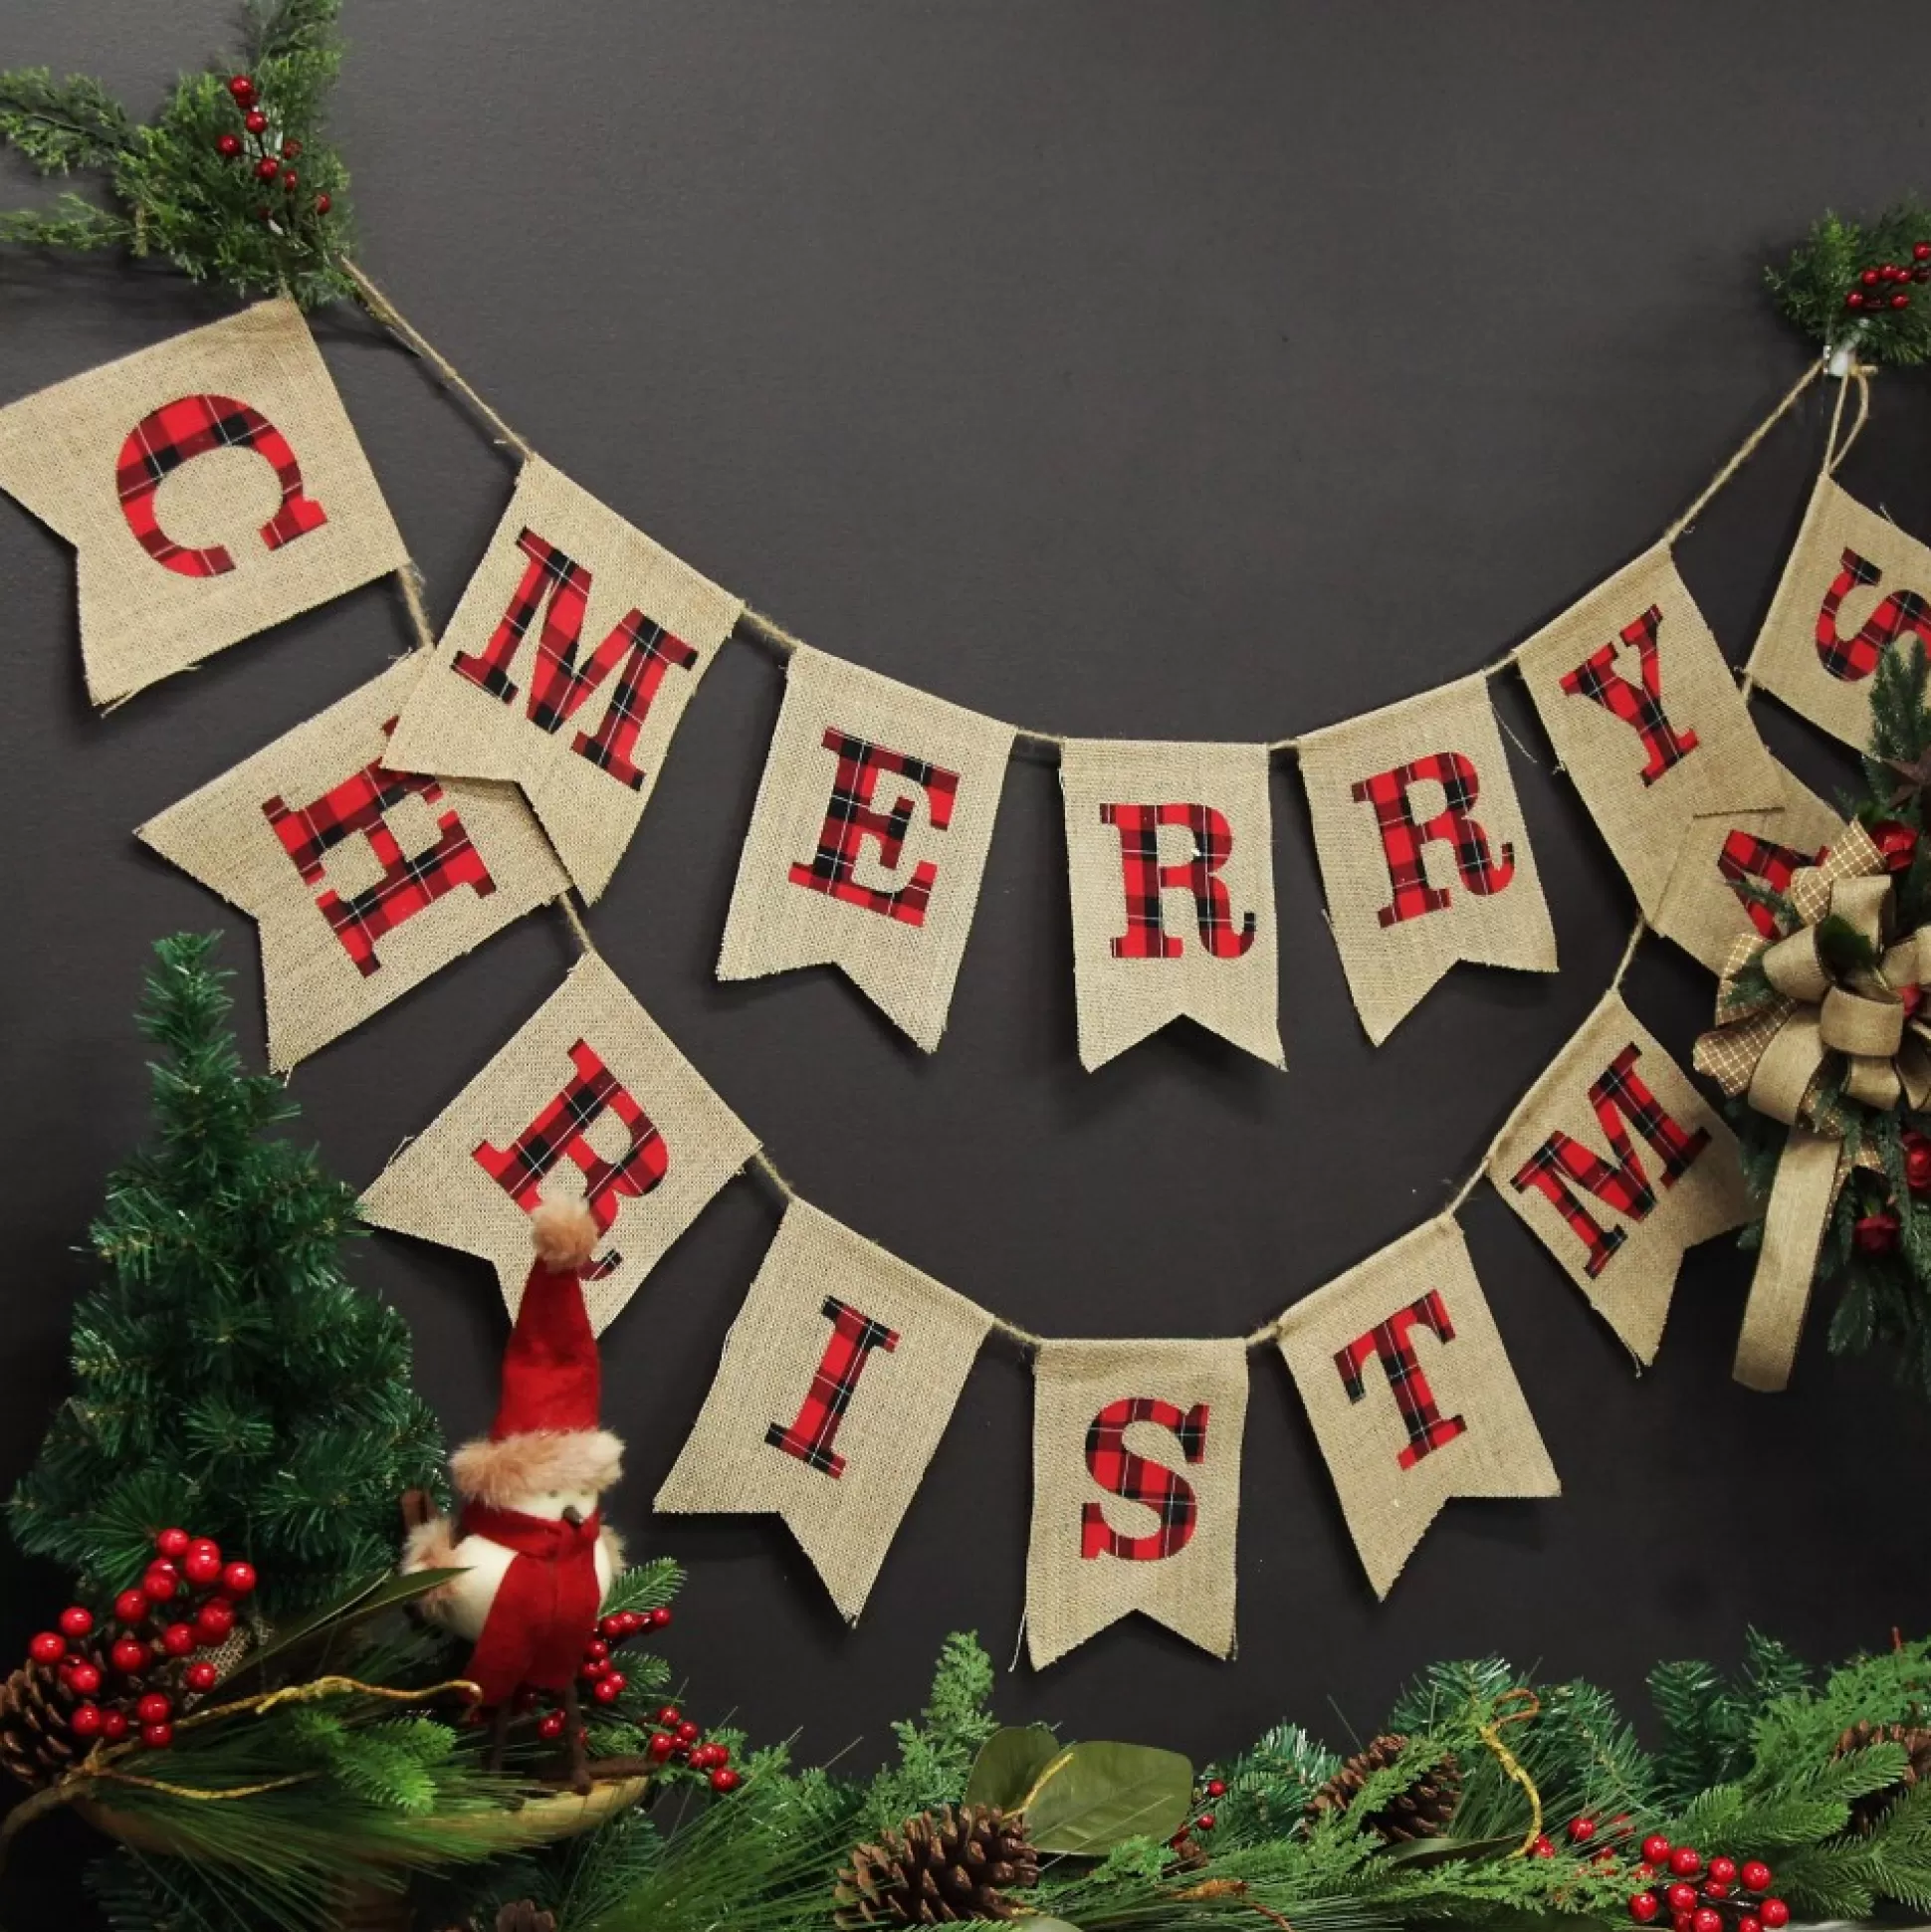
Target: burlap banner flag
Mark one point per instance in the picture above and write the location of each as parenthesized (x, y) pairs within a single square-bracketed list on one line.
[(1646, 717), (1169, 849), (1620, 1220), (838, 1379), (1423, 849), (567, 666), (364, 881), (1412, 1395), (212, 485), (1136, 1490), (869, 839), (1855, 586), (589, 1099)]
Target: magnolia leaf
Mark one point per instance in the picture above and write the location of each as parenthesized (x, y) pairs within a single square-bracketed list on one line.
[(1008, 1766), (367, 1599), (1092, 1797), (1441, 1852)]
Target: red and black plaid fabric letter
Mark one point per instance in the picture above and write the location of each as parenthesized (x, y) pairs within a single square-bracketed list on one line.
[(1853, 658), (1745, 856), (834, 1381), (357, 806), (1404, 838), (1620, 1095), (1392, 1342), (1146, 937), (1639, 706), (851, 818), (178, 432), (1120, 1472)]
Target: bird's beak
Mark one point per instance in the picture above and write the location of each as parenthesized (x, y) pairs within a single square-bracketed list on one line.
[(572, 1515)]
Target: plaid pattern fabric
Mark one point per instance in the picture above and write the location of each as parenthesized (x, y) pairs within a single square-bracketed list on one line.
[(1146, 938), (1747, 856), (355, 807), (1120, 1472), (1402, 838), (1641, 707), (851, 818), (810, 1433), (1853, 658), (1620, 1095), (188, 427), (1391, 1343), (556, 589)]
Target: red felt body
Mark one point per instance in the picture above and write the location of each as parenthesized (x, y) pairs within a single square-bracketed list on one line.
[(545, 1610)]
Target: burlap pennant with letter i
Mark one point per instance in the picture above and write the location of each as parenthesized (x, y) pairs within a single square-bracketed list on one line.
[(211, 486), (567, 666), (839, 1376), (1171, 854), (1136, 1490), (1412, 1395), (364, 881), (1423, 849), (589, 1099), (1618, 1163), (1646, 719), (869, 839), (1853, 586)]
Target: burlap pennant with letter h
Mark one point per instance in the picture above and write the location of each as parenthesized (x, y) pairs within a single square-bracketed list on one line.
[(1171, 855), (1412, 1395), (1620, 1165), (839, 1376), (211, 486), (869, 839), (1423, 849), (567, 666), (364, 881), (1136, 1490)]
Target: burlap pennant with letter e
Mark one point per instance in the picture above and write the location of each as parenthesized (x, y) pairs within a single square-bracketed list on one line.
[(567, 666), (1412, 1395), (589, 1099), (364, 881), (869, 839), (1855, 586), (1620, 1165), (839, 1376), (211, 486), (1136, 1490), (1423, 849), (1646, 719), (1171, 854)]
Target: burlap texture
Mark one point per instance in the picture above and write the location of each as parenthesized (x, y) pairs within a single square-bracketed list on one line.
[(1392, 963), (1498, 1453), (1728, 768), (315, 988), (1125, 989), (141, 619), (774, 924), (1787, 660), (453, 725), (438, 1188), (1069, 1596), (1633, 1289), (770, 1378)]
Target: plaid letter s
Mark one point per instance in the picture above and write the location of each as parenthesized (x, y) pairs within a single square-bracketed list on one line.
[(1117, 1470), (1403, 837), (851, 818), (1852, 659), (1392, 1342)]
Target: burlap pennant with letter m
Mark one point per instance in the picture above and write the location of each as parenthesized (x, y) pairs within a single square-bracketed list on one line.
[(363, 880), (567, 666), (839, 1376), (211, 486), (869, 839), (1171, 854), (1412, 1395), (1136, 1490), (589, 1099)]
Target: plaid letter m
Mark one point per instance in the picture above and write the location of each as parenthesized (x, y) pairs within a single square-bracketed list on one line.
[(1118, 1471), (1392, 1342), (834, 1381)]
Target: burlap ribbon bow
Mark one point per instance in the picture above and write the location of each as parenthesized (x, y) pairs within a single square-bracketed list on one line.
[(1833, 1019)]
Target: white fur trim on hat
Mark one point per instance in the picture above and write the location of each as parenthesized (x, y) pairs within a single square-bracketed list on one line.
[(498, 1475)]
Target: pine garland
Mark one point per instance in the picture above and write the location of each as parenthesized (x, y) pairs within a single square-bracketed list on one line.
[(1862, 289)]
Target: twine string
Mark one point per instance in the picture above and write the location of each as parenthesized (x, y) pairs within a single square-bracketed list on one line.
[(1747, 449)]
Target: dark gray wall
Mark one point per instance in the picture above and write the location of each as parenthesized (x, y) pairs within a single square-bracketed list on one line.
[(1186, 370)]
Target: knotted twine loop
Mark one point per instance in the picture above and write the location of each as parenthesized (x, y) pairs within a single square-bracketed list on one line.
[(1517, 1706)]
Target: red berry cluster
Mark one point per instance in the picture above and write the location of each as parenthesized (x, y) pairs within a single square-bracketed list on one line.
[(1205, 1820), (1727, 1896), (1583, 1832), (1882, 287), (271, 161), (677, 1740)]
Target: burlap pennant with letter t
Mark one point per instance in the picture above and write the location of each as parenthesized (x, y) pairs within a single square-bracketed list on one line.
[(211, 486), (839, 1376)]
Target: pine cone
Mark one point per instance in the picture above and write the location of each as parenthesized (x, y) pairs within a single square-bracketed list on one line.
[(938, 1868), (524, 1915), (1425, 1810), (1866, 1812), (35, 1744)]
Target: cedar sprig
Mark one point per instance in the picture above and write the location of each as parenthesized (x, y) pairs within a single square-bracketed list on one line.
[(1813, 289)]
